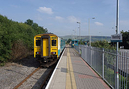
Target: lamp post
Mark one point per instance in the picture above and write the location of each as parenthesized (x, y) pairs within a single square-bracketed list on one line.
[(117, 32), (89, 30), (79, 36), (79, 28)]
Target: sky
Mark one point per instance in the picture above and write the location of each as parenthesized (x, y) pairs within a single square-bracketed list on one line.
[(61, 16)]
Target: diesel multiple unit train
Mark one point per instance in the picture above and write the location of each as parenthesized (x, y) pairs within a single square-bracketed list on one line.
[(74, 43), (47, 47)]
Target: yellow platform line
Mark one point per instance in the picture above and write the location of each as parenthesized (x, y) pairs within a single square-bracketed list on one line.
[(70, 79)]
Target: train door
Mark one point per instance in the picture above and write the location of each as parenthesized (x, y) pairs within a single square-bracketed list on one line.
[(45, 49)]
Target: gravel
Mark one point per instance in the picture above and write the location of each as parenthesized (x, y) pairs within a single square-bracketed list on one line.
[(13, 73)]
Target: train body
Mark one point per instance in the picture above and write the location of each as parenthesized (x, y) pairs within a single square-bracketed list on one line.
[(47, 47), (74, 42)]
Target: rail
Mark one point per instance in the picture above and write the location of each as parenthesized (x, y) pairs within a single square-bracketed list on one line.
[(16, 87), (103, 61)]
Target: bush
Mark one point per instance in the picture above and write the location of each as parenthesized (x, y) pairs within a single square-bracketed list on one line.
[(19, 50), (103, 44), (16, 38)]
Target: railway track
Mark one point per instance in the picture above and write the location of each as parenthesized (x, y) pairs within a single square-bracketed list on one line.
[(38, 78), (47, 79), (17, 86), (41, 81)]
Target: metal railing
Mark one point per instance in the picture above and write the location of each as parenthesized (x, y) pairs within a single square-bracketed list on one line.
[(103, 61)]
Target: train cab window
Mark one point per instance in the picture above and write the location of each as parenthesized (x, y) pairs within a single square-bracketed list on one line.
[(75, 42), (53, 42), (72, 42), (38, 42)]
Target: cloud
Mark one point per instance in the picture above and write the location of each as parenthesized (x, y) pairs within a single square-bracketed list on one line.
[(45, 10), (59, 18), (98, 23), (72, 19)]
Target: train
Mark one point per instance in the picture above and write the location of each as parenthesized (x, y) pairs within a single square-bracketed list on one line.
[(74, 42), (48, 47)]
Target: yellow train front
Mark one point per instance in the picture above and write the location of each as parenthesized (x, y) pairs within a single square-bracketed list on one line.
[(47, 47)]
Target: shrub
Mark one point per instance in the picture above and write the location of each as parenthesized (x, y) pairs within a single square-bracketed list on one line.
[(16, 39)]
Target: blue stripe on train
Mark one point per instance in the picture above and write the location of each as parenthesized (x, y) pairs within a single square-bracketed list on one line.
[(58, 53)]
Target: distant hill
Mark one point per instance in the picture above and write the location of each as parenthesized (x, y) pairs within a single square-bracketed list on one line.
[(86, 38)]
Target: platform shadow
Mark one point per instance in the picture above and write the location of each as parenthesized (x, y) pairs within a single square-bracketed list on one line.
[(40, 81)]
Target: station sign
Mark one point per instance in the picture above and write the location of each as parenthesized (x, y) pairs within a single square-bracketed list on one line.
[(116, 38)]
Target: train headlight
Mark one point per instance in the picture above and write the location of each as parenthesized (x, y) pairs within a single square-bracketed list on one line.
[(53, 52), (38, 52)]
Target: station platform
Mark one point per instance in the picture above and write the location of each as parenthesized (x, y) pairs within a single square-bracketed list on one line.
[(72, 72)]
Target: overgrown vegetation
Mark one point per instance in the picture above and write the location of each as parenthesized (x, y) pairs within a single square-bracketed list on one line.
[(125, 41), (103, 44), (81, 42), (109, 59), (16, 39)]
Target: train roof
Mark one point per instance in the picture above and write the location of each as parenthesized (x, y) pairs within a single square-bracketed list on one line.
[(50, 34)]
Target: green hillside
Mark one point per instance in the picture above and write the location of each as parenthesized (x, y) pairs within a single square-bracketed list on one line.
[(16, 39)]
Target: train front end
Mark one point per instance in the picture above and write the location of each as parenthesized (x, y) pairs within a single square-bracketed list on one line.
[(46, 47)]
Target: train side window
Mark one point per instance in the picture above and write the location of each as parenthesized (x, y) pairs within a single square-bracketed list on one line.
[(38, 42), (53, 42)]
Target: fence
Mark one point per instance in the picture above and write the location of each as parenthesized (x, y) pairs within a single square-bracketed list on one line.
[(103, 61)]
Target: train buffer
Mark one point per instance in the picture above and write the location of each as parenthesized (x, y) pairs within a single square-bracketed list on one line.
[(72, 72)]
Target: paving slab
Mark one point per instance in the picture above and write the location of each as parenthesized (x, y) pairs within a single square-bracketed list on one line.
[(73, 72)]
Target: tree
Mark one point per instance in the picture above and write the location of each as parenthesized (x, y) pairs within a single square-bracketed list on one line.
[(35, 26), (125, 41), (102, 44), (37, 29), (29, 22), (14, 35), (68, 41), (82, 42)]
